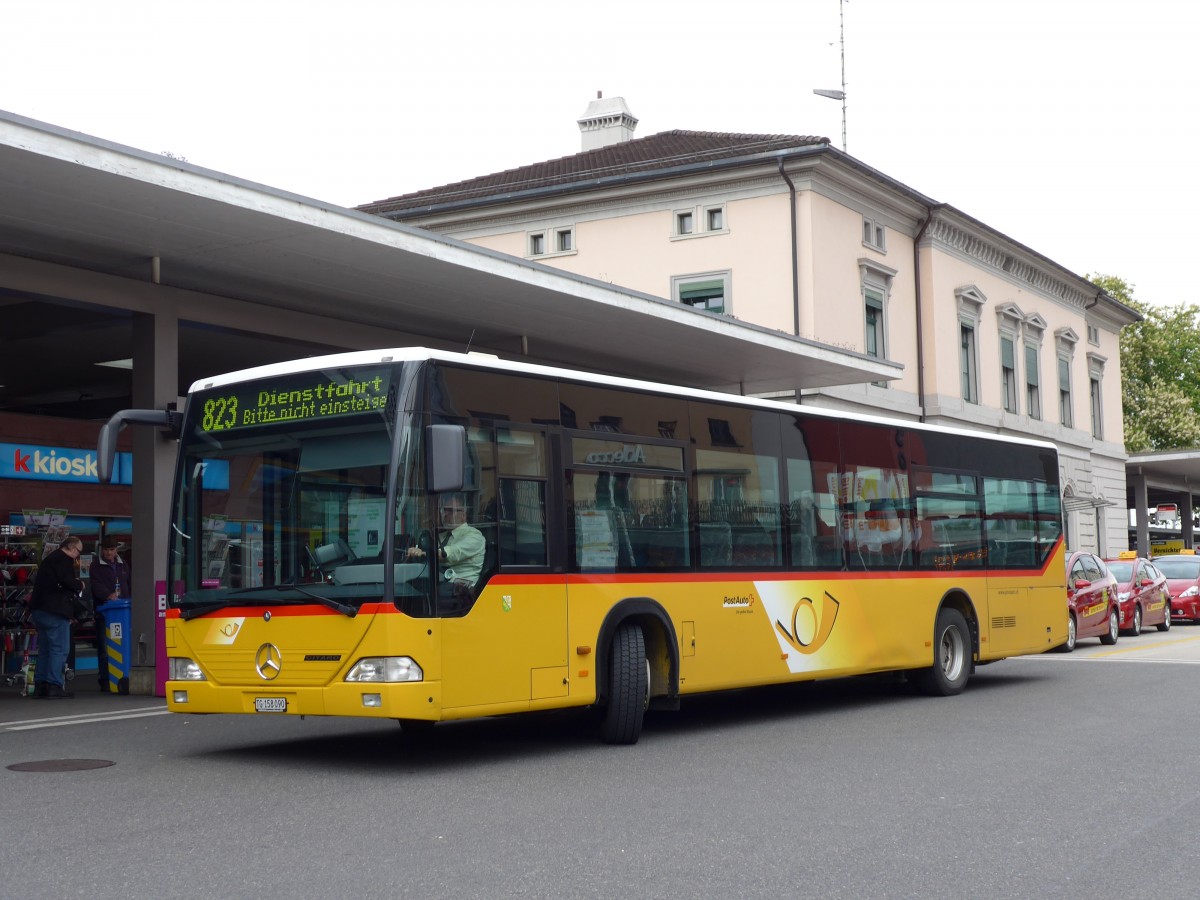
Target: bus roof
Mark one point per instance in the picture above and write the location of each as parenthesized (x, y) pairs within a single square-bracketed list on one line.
[(488, 361)]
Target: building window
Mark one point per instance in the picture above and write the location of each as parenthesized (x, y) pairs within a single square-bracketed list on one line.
[(1033, 400), (874, 312), (1008, 372), (1097, 415), (1065, 341), (874, 234), (1064, 392), (876, 280), (970, 384), (970, 305), (1095, 364), (1093, 335), (698, 222), (537, 244), (564, 240), (707, 292)]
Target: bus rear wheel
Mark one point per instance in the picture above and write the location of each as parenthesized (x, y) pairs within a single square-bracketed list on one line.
[(628, 687), (951, 657)]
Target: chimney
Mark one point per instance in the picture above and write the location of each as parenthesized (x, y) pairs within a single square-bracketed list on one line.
[(606, 122)]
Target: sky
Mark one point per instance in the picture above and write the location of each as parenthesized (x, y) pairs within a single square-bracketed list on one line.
[(1068, 125)]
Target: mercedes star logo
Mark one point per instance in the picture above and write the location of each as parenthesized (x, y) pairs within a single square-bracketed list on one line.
[(267, 662)]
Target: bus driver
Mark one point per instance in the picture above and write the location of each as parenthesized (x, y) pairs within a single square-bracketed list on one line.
[(460, 546)]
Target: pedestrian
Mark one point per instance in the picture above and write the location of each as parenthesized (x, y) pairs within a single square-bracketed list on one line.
[(109, 575), (56, 588)]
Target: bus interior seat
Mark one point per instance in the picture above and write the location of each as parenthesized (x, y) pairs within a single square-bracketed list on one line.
[(716, 544), (754, 547)]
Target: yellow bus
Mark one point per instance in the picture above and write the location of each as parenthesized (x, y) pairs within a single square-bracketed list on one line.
[(640, 543)]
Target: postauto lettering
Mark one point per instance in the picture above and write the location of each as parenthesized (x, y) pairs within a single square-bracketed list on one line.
[(627, 455)]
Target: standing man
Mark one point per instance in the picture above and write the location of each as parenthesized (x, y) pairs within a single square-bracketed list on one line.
[(109, 575), (55, 588)]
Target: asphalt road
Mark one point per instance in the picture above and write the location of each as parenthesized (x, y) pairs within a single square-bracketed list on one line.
[(1052, 776)]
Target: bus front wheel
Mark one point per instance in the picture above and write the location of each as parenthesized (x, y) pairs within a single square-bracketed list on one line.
[(628, 687), (951, 657)]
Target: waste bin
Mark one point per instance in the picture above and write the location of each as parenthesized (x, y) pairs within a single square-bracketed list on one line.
[(117, 639)]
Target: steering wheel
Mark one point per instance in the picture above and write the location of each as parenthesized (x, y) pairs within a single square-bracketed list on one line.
[(312, 560), (425, 540)]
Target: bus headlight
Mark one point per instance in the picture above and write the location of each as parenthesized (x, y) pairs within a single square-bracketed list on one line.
[(180, 668), (386, 669)]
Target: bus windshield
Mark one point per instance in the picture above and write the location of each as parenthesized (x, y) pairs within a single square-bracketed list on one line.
[(282, 494)]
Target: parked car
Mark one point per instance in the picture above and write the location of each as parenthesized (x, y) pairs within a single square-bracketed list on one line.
[(1142, 594), (1091, 600), (1183, 581)]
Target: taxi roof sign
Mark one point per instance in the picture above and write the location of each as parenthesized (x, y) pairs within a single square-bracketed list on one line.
[(1127, 554)]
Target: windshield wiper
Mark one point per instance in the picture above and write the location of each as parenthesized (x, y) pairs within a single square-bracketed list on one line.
[(192, 612), (344, 608), (231, 598)]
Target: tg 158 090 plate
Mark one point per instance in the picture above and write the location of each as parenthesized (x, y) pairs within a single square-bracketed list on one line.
[(270, 704)]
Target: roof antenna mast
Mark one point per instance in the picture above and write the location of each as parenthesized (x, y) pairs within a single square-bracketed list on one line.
[(469, 340), (842, 44), (833, 94)]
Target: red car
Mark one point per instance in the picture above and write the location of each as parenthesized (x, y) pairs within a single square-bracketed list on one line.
[(1142, 594), (1091, 600), (1183, 581)]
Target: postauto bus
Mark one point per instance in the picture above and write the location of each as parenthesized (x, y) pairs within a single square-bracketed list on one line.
[(640, 543)]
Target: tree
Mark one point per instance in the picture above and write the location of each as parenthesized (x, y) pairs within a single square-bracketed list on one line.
[(1160, 372)]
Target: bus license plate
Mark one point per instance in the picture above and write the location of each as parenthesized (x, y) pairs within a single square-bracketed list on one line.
[(270, 704)]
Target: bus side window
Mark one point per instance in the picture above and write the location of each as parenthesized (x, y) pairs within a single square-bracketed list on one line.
[(878, 519), (522, 522), (521, 512), (738, 507), (949, 520), (813, 514), (1010, 523)]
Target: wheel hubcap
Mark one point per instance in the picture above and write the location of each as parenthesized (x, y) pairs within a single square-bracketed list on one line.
[(952, 654)]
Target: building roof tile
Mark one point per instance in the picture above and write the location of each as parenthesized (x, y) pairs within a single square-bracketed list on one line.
[(666, 150)]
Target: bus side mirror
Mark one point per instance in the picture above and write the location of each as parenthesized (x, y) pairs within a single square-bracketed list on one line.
[(106, 445), (445, 454)]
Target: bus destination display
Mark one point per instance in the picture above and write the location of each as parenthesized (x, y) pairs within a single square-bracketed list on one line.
[(310, 397)]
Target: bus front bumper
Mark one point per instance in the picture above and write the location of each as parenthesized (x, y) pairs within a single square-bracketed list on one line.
[(412, 700)]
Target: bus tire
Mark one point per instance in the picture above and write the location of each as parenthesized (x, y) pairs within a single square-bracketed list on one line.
[(951, 656), (628, 688)]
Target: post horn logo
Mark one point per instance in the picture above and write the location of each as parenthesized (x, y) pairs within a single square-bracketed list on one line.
[(268, 662), (812, 622)]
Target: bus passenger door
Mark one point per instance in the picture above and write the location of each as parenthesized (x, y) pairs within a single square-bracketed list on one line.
[(509, 651)]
